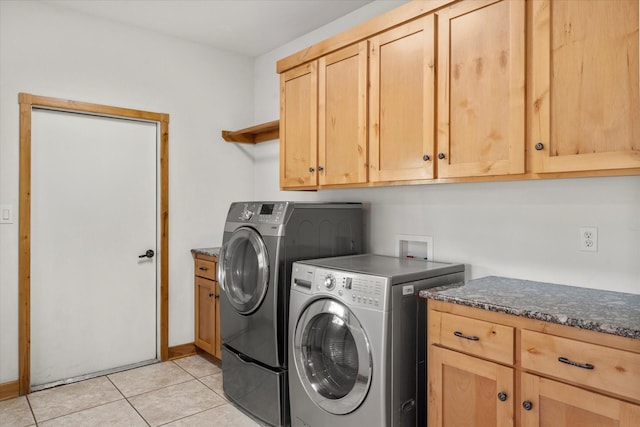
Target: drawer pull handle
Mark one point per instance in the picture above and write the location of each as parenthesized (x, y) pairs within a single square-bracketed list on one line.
[(203, 268), (572, 363), (466, 337), (502, 396)]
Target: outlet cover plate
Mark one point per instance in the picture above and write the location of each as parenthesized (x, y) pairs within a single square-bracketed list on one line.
[(588, 239)]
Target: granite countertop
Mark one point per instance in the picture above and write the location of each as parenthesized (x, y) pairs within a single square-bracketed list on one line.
[(207, 251), (602, 311)]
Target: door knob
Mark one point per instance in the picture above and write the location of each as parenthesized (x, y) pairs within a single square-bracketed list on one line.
[(148, 254)]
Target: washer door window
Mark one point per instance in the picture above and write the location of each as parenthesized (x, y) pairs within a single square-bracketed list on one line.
[(243, 270), (332, 356)]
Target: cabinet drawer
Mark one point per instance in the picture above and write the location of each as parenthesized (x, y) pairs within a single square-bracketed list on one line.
[(485, 339), (605, 368), (205, 268)]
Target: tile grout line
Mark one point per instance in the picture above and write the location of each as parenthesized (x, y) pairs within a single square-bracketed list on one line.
[(192, 377), (31, 409), (129, 403), (218, 394), (37, 423)]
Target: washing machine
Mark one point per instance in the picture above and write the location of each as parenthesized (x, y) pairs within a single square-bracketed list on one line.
[(357, 339), (261, 241)]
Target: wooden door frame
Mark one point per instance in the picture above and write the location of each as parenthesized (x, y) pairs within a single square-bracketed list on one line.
[(27, 102)]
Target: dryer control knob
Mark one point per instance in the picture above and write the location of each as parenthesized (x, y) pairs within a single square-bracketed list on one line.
[(329, 281), (246, 214)]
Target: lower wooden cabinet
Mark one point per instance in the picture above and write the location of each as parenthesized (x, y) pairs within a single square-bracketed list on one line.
[(494, 369), (207, 305), (548, 403), (471, 391)]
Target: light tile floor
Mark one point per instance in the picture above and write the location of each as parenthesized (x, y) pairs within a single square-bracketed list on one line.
[(184, 392)]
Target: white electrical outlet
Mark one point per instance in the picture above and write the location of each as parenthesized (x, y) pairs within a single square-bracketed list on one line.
[(588, 239)]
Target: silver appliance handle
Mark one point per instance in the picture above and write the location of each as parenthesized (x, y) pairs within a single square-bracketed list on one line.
[(221, 267)]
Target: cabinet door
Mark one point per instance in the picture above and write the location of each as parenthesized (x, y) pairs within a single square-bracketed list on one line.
[(205, 312), (554, 404), (481, 57), (342, 116), (585, 101), (467, 391), (401, 106), (299, 127)]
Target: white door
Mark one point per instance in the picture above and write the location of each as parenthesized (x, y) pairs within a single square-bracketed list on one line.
[(93, 213)]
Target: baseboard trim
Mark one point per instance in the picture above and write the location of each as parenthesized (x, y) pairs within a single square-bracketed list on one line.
[(183, 350), (9, 390)]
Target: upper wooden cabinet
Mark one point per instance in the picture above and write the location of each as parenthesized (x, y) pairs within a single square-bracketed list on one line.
[(469, 90), (299, 127), (402, 100), (585, 97), (481, 88), (342, 116), (323, 106)]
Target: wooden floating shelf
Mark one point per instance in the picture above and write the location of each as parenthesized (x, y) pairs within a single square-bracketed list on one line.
[(254, 134)]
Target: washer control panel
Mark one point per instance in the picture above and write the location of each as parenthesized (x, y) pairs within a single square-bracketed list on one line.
[(353, 288)]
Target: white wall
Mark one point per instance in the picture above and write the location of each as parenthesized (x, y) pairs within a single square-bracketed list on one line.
[(526, 229), (49, 51)]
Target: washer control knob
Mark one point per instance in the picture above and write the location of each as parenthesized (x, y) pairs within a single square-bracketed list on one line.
[(329, 281)]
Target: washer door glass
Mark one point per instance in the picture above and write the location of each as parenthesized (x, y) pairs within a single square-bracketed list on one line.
[(332, 356), (243, 270)]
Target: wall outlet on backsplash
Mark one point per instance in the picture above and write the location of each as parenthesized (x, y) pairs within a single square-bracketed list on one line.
[(588, 239)]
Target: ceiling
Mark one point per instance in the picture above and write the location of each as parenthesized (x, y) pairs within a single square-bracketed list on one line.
[(249, 27)]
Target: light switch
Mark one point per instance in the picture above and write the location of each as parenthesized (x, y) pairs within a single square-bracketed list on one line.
[(6, 214)]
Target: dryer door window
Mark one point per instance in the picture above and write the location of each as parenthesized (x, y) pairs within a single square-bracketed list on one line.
[(243, 270), (333, 356)]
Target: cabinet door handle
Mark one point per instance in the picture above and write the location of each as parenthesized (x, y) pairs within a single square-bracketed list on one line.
[(311, 169), (502, 396), (210, 294), (572, 363), (426, 158), (539, 146), (320, 168), (527, 405), (441, 156), (466, 337)]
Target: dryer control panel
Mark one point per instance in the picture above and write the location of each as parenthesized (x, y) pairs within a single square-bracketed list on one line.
[(353, 289)]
